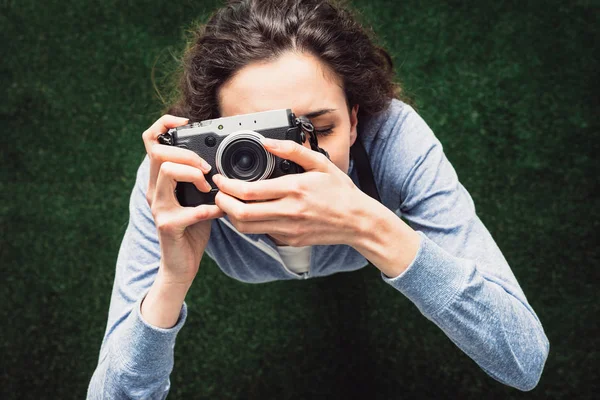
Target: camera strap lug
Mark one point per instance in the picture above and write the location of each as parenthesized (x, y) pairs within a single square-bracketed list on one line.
[(308, 129), (165, 138)]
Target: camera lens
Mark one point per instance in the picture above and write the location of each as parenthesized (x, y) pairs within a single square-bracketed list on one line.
[(242, 156), (242, 160)]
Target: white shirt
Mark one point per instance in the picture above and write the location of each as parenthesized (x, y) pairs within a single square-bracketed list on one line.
[(297, 259)]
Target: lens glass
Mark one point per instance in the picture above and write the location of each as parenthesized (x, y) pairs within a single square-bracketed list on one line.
[(244, 159)]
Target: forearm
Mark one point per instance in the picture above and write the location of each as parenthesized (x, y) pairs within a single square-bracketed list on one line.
[(494, 327), (498, 331), (491, 325), (137, 357)]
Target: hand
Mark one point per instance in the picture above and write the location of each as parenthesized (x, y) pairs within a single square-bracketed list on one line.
[(183, 232), (319, 206)]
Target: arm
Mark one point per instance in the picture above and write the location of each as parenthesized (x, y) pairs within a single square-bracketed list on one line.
[(449, 266), (136, 357)]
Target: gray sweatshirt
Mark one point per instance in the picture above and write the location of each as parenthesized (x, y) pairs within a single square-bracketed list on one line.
[(459, 278)]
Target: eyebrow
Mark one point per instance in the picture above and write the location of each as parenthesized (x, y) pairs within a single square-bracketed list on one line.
[(318, 113)]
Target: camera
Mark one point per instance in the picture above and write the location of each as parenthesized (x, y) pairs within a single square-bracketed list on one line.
[(231, 145)]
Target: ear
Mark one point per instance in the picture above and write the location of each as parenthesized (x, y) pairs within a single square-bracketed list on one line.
[(353, 124)]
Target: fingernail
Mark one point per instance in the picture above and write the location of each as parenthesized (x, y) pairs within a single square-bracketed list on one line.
[(206, 166), (269, 142)]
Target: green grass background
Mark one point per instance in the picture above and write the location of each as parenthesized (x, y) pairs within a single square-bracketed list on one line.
[(511, 90)]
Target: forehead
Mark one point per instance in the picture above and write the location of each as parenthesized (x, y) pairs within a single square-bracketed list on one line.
[(297, 81)]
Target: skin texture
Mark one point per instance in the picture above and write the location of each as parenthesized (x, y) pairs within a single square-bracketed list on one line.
[(321, 206)]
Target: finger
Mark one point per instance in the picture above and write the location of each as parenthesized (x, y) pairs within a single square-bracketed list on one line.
[(149, 137), (176, 219), (186, 216), (262, 211), (274, 227), (288, 149), (161, 125), (280, 237), (161, 153), (268, 189), (171, 173)]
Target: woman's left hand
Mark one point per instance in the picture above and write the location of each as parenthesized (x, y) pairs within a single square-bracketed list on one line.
[(320, 206)]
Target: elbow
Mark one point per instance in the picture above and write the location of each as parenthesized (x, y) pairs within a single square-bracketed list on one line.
[(530, 371), (522, 370)]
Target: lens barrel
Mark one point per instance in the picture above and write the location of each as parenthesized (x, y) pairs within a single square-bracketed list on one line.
[(242, 156)]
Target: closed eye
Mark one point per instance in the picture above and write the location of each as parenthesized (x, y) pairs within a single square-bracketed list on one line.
[(325, 131)]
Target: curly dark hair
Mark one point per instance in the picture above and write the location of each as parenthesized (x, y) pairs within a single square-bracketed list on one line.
[(246, 31)]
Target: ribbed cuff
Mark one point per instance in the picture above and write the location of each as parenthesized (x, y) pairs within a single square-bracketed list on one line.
[(432, 279), (145, 348)]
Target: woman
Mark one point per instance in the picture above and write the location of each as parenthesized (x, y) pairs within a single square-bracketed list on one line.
[(314, 58)]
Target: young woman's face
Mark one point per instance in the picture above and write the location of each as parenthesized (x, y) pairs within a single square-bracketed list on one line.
[(303, 84)]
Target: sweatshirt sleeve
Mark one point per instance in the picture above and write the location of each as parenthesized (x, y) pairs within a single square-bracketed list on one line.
[(136, 358), (459, 278)]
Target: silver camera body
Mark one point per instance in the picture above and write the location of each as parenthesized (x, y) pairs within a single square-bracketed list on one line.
[(231, 145)]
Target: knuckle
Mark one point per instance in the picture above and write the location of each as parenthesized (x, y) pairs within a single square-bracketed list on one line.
[(295, 241), (302, 188), (201, 213), (299, 231), (296, 187), (242, 214), (299, 211), (162, 223), (165, 225), (167, 168), (247, 192), (167, 228), (239, 225)]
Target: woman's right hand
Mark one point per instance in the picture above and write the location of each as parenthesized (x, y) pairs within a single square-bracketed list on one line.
[(183, 232)]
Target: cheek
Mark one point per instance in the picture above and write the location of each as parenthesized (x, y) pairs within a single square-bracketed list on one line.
[(339, 152)]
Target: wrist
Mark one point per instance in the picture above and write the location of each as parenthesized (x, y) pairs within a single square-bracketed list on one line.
[(383, 238), (182, 278), (363, 213), (162, 304)]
